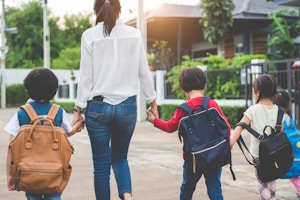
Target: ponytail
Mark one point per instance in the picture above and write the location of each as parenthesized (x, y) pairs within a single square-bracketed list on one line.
[(107, 11)]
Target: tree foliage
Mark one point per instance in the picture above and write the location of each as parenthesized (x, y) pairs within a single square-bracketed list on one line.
[(69, 58), (286, 27), (26, 47), (216, 19)]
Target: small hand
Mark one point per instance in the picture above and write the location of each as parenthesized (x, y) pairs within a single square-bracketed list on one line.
[(10, 184), (150, 115)]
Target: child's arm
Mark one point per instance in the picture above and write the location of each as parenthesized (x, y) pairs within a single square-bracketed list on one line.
[(168, 126), (237, 131), (77, 127), (10, 182)]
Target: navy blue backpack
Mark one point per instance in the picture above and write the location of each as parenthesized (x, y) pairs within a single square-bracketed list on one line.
[(205, 137)]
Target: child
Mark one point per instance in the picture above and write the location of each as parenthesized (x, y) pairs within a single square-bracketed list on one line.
[(192, 81), (283, 99), (41, 85), (263, 113)]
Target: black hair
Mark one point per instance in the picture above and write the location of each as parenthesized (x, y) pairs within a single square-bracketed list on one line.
[(282, 98), (107, 11), (266, 85), (41, 84), (192, 78)]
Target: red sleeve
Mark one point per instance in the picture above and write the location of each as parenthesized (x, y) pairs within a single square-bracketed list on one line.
[(172, 124), (213, 103)]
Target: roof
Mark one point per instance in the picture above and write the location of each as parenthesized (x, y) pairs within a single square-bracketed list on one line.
[(244, 9), (252, 9)]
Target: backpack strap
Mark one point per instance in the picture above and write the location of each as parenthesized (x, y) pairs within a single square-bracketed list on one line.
[(250, 130), (186, 108), (53, 111), (204, 102), (279, 119), (30, 111)]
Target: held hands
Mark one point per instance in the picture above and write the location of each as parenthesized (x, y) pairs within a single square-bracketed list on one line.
[(152, 112), (150, 115), (77, 123)]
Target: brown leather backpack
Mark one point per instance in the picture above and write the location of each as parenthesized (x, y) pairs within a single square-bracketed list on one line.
[(41, 155)]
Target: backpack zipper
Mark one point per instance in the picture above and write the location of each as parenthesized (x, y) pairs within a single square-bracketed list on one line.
[(204, 150)]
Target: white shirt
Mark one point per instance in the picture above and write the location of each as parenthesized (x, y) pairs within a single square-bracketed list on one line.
[(260, 116), (113, 66)]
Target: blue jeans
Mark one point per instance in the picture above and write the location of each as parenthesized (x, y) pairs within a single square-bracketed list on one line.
[(43, 197), (110, 128), (212, 181)]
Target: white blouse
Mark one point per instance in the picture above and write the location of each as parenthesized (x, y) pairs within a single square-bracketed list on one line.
[(113, 66)]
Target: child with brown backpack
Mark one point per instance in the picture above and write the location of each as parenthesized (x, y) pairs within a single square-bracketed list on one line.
[(31, 128)]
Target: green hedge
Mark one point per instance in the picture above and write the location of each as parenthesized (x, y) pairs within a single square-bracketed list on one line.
[(67, 106), (16, 95), (233, 113)]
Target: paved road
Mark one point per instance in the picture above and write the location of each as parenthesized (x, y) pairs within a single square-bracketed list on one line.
[(156, 169)]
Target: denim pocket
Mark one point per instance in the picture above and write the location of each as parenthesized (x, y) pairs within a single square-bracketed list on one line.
[(129, 110), (96, 110)]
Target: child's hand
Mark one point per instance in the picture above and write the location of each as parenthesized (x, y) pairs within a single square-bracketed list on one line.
[(77, 127), (10, 184), (150, 115)]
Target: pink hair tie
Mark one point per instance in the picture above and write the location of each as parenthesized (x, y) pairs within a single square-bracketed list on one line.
[(107, 1)]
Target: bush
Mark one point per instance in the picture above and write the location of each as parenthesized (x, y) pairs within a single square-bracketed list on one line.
[(16, 95), (233, 113), (67, 106)]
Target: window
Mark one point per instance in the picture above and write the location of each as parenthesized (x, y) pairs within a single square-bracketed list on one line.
[(239, 48)]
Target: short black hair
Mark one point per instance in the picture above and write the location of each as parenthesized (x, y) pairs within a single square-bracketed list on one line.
[(192, 78), (41, 84)]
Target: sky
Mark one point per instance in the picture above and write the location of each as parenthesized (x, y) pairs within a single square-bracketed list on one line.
[(67, 7)]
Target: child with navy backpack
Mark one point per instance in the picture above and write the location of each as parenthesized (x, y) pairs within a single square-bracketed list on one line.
[(192, 81), (283, 99)]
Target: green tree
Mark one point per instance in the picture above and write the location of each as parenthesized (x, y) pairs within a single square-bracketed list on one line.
[(69, 58), (74, 26), (164, 56), (286, 27), (26, 47), (216, 19)]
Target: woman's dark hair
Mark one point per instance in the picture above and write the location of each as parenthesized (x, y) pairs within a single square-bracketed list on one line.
[(192, 78), (41, 84), (107, 11), (282, 98), (266, 85)]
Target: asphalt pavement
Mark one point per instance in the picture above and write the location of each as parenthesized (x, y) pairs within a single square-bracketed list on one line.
[(155, 160)]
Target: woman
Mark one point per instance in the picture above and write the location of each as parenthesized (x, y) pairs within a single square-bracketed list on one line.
[(113, 61)]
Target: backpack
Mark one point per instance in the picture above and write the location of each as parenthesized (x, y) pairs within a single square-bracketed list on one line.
[(293, 135), (40, 155), (275, 151), (205, 137)]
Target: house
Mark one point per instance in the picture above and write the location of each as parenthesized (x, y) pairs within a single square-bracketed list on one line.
[(179, 25)]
